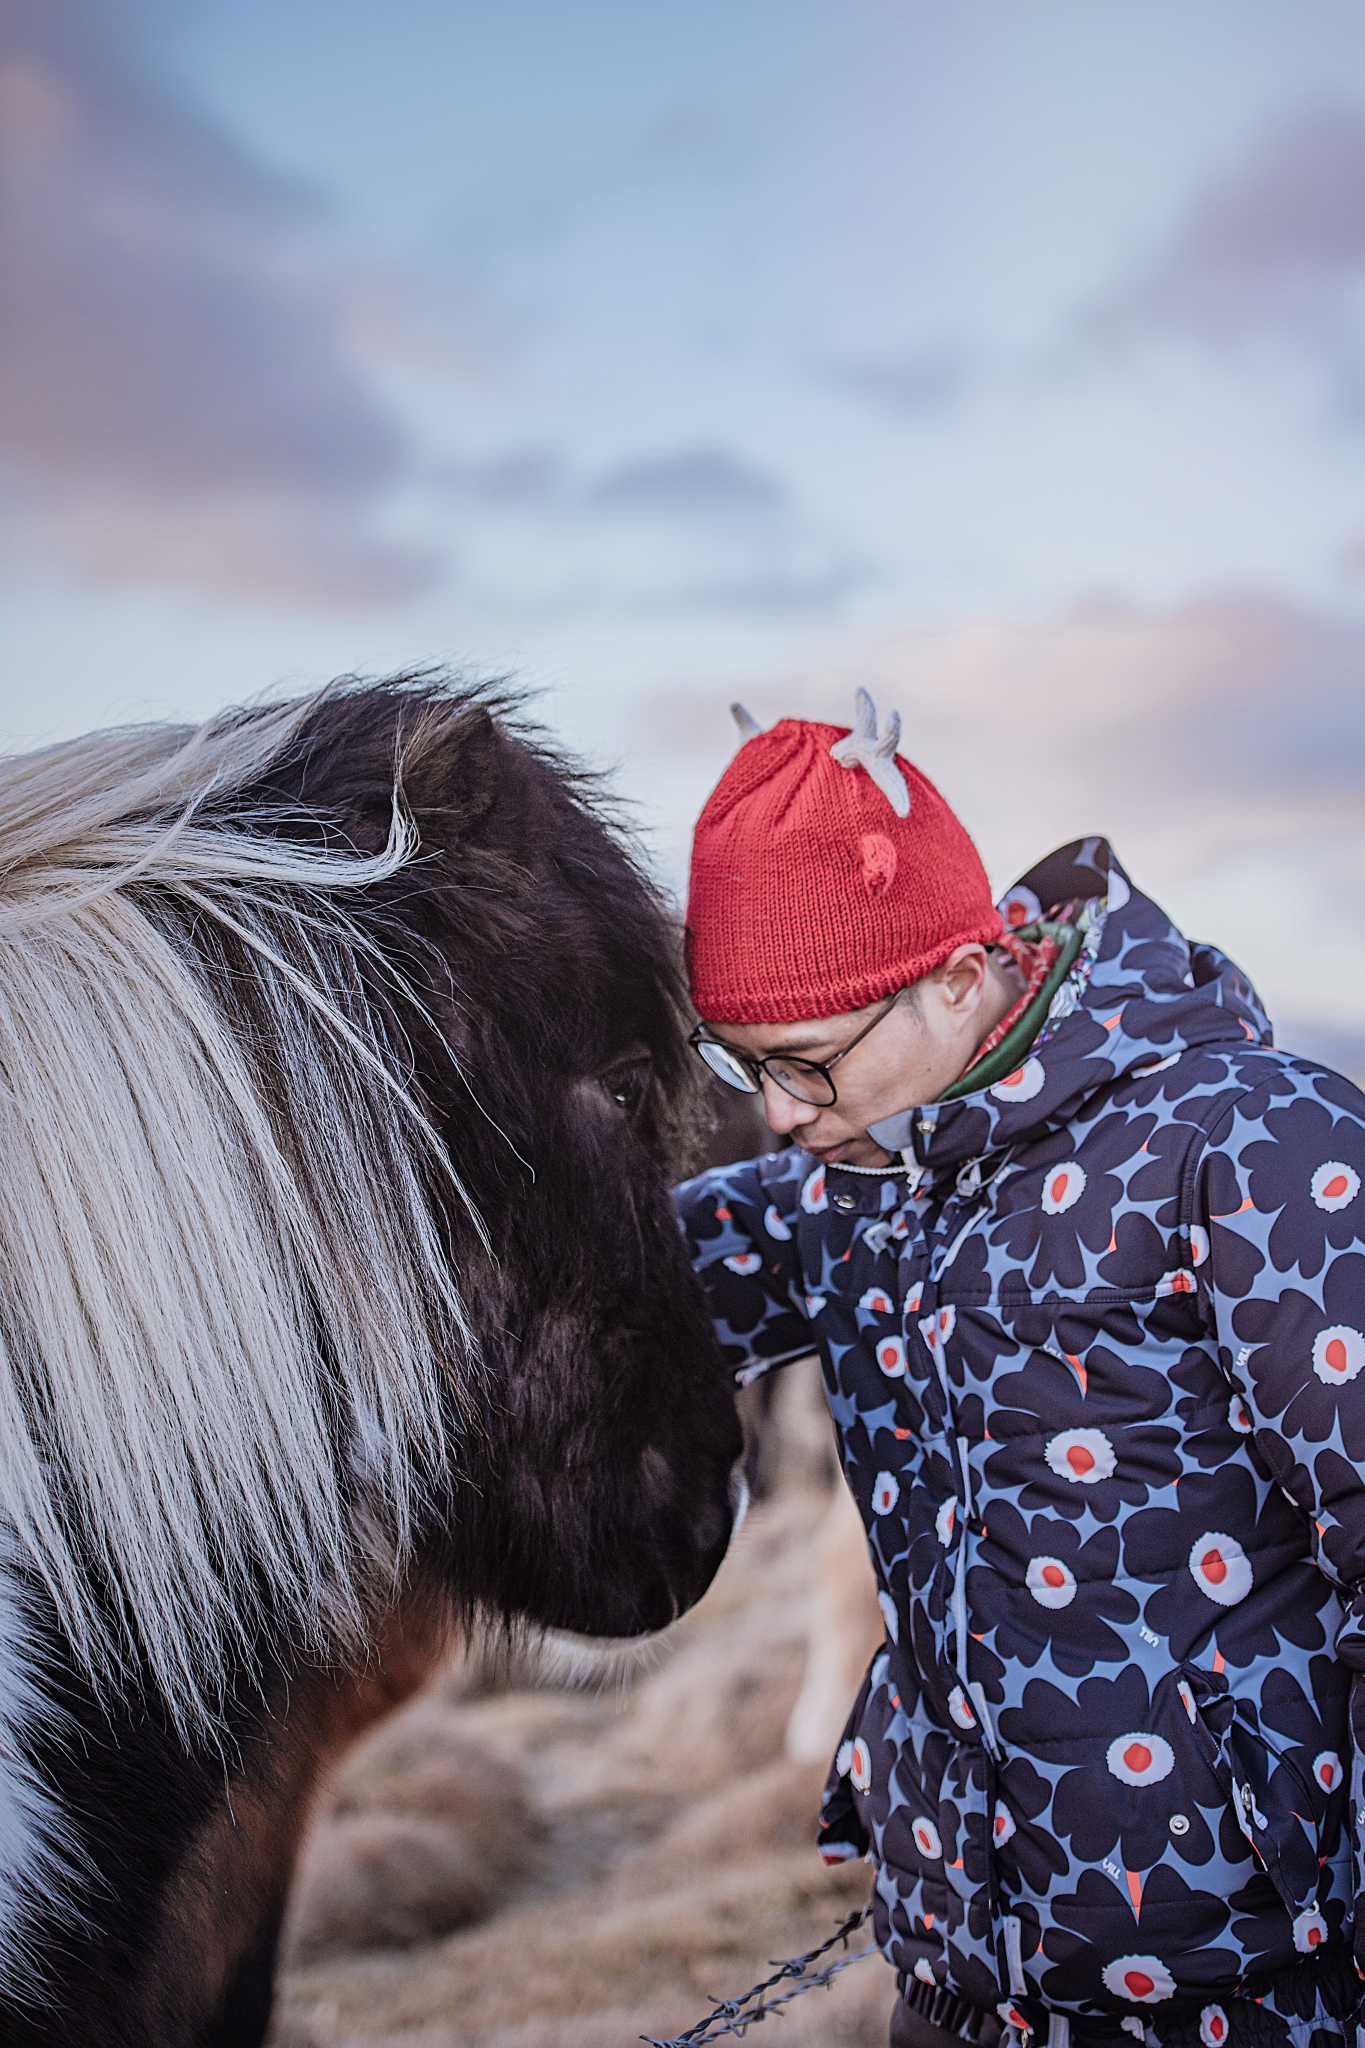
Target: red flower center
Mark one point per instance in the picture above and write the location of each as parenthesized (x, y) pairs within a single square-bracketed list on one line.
[(1137, 1756), (1334, 1188), (1080, 1459), (1058, 1188), (1053, 1575), (1212, 1566), (1139, 1984), (1335, 1355)]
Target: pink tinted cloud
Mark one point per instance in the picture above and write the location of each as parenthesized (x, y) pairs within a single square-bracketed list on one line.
[(1277, 242), (175, 396), (1190, 735)]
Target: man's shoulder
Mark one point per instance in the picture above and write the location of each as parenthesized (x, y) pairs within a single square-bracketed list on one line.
[(1274, 1093), (1284, 1074)]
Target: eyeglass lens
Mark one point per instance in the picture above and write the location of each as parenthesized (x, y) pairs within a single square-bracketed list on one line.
[(723, 1063), (807, 1083)]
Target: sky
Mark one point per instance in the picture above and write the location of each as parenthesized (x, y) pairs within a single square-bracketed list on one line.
[(1006, 357)]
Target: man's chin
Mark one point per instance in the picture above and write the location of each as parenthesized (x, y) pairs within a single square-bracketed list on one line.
[(847, 1154)]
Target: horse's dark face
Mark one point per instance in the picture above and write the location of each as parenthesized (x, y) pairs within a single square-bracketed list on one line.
[(593, 1489)]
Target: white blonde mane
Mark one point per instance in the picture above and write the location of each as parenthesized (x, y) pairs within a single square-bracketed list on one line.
[(225, 1312)]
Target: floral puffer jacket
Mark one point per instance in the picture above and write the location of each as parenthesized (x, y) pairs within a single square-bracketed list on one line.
[(1094, 1354)]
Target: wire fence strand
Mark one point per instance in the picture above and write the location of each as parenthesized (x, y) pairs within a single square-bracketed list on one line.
[(737, 2015)]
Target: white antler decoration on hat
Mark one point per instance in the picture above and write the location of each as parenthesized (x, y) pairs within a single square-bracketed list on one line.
[(862, 749), (745, 720)]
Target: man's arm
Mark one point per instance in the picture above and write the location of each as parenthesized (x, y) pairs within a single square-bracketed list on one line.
[(740, 1223), (1281, 1196)]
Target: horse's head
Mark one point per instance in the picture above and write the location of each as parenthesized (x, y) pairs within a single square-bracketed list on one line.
[(342, 1058), (593, 1460)]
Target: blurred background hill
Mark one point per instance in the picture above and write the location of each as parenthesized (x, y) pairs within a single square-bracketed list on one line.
[(1011, 358)]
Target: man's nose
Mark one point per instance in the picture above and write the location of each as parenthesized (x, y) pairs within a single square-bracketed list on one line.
[(783, 1111)]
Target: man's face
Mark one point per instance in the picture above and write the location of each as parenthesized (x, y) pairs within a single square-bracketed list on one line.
[(921, 1046)]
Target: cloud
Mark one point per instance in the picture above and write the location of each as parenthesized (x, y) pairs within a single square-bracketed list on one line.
[(680, 140), (1279, 242), (697, 483), (914, 384), (176, 399)]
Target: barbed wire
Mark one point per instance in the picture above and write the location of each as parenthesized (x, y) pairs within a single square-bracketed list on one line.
[(731, 2013)]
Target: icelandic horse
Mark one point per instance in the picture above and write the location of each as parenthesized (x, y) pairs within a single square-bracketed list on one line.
[(342, 1070)]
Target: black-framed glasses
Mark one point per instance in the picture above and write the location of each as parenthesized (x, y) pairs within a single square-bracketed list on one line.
[(808, 1080)]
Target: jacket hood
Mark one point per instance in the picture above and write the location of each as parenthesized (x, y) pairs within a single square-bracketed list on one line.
[(1139, 995)]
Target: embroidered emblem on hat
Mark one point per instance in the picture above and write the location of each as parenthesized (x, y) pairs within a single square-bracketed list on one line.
[(1084, 1456), (860, 1765), (926, 1837), (862, 749), (1333, 1186), (1140, 1759), (880, 860), (1144, 1979), (1221, 1568), (1327, 1770), (1338, 1354), (1049, 1581), (1062, 1188), (1213, 2027)]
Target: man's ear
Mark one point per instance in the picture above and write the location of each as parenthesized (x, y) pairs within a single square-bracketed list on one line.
[(963, 976)]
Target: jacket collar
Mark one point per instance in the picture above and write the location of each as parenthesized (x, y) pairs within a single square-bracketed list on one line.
[(1139, 994)]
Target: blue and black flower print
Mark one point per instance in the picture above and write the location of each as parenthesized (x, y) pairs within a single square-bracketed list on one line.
[(1096, 1354)]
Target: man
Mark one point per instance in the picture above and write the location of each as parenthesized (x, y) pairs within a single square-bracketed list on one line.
[(1082, 1255)]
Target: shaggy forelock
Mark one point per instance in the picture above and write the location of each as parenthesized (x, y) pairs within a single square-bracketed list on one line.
[(227, 1309)]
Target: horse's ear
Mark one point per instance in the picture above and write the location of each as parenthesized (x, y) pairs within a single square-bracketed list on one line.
[(453, 766)]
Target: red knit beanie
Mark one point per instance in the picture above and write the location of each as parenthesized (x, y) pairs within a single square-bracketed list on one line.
[(826, 872)]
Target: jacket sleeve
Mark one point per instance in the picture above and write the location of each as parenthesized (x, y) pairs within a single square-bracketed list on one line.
[(1280, 1234), (740, 1227)]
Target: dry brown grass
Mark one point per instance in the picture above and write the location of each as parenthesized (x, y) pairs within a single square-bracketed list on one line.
[(607, 1860)]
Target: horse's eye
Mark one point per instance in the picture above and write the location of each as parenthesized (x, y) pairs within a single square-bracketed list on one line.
[(627, 1083)]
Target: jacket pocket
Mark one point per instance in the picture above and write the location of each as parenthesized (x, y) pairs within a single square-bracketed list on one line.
[(1271, 1800)]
